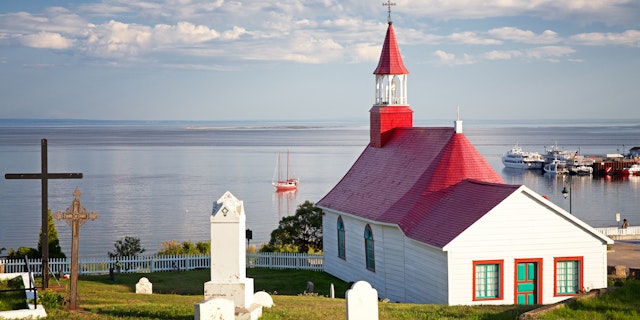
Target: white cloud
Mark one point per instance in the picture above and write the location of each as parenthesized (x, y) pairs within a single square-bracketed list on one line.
[(525, 36), (363, 52), (550, 53), (305, 31), (546, 53), (45, 40), (451, 59), (117, 39), (503, 55), (471, 38), (234, 33), (306, 49), (617, 12), (627, 38)]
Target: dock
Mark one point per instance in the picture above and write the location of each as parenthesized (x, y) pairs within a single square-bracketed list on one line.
[(613, 166)]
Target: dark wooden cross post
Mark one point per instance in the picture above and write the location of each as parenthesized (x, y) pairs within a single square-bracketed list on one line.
[(44, 177), (75, 216)]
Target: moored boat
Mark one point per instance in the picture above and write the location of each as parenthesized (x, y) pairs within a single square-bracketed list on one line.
[(286, 184), (518, 159), (633, 170), (581, 170), (556, 167), (560, 161)]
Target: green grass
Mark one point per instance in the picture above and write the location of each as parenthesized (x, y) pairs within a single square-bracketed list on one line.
[(621, 303), (175, 294), (12, 300)]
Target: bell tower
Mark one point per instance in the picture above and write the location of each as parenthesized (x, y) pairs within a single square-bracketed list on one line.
[(391, 109)]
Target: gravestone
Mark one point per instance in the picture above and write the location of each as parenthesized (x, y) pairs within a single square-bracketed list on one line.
[(264, 299), (309, 287), (362, 302), (218, 309), (144, 286), (228, 260)]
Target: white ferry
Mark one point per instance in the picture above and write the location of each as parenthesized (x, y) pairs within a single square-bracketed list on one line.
[(518, 159)]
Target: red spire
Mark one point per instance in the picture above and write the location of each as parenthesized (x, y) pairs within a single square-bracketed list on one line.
[(390, 59)]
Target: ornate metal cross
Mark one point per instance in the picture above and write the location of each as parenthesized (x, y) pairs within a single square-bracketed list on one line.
[(75, 216), (388, 4), (44, 177)]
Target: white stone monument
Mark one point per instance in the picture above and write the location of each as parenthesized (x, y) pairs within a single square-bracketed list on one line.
[(362, 302), (228, 258), (144, 286)]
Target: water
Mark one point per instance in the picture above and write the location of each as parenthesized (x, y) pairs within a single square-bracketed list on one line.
[(157, 181)]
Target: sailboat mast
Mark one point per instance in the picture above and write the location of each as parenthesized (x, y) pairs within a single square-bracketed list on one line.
[(287, 165), (279, 168)]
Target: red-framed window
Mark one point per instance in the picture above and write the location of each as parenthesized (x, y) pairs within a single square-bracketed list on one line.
[(488, 280), (568, 276)]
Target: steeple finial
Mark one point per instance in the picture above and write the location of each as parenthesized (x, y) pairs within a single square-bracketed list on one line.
[(388, 4), (457, 125)]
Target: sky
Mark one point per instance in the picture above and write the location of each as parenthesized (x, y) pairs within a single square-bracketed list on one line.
[(314, 59)]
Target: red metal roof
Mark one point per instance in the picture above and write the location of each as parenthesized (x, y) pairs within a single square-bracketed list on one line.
[(390, 59), (431, 182)]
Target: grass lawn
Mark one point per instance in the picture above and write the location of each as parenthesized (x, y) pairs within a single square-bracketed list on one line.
[(175, 294), (620, 304), (12, 300)]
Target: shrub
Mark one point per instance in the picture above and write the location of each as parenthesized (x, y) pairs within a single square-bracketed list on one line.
[(128, 247), (186, 247), (51, 300)]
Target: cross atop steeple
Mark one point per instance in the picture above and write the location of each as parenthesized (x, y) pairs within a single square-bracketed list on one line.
[(388, 4)]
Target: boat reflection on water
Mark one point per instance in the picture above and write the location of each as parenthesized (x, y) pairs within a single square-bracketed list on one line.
[(286, 202)]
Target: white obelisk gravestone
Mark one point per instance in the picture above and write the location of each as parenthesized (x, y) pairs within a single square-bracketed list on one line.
[(228, 256)]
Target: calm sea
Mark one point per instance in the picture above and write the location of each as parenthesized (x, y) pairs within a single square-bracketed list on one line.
[(158, 180)]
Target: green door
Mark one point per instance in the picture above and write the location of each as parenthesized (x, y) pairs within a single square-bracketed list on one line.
[(527, 283)]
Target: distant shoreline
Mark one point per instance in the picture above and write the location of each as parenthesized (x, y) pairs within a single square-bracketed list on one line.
[(315, 123)]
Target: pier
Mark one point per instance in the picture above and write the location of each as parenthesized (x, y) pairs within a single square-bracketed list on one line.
[(605, 166)]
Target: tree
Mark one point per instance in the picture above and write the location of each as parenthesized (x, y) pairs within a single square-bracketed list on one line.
[(31, 253), (129, 247), (54, 243), (302, 231)]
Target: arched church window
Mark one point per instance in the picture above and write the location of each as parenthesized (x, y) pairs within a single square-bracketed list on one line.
[(369, 249), (341, 245)]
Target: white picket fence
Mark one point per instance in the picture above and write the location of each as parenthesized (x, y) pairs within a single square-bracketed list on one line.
[(275, 260), (616, 231), (158, 263)]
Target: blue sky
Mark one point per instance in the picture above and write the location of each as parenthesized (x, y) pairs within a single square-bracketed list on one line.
[(314, 59)]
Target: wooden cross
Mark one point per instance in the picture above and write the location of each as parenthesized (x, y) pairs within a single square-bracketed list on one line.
[(388, 4), (75, 216), (44, 177)]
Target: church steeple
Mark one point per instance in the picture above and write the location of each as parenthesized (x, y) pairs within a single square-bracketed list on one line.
[(391, 109)]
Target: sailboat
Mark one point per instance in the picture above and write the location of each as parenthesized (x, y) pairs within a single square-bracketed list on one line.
[(289, 183)]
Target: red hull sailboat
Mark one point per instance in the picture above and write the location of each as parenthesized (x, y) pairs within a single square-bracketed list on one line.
[(287, 184)]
